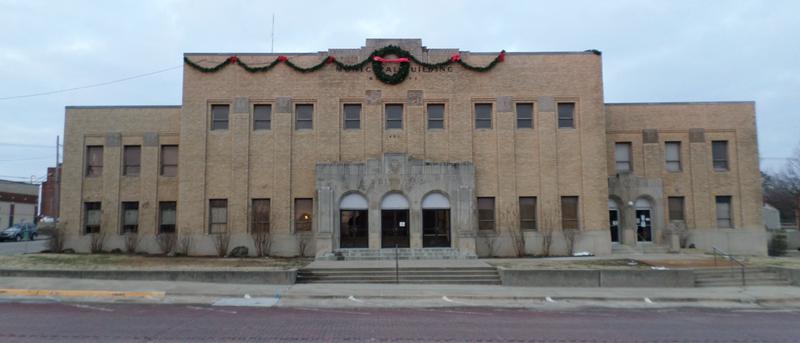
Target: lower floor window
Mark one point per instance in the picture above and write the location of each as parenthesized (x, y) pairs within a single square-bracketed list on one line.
[(569, 212), (168, 211), (218, 215), (92, 217), (303, 209), (130, 217)]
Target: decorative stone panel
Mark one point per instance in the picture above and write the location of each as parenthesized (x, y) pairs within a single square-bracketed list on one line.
[(113, 139), (283, 104), (697, 135), (150, 139), (504, 104), (241, 105), (650, 136), (415, 97), (547, 104), (373, 97)]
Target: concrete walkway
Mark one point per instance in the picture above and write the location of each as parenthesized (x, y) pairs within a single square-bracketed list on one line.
[(406, 295), (402, 263)]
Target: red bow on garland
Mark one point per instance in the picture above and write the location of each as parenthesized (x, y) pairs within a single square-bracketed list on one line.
[(502, 56), (282, 58), (455, 58), (330, 60), (391, 60), (233, 59)]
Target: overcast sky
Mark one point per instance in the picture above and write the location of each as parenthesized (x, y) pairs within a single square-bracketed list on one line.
[(652, 51)]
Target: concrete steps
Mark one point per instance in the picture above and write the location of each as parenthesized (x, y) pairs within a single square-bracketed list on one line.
[(401, 254), (417, 275), (732, 277)]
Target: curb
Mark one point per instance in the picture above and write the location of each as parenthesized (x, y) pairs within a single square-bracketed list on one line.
[(79, 293)]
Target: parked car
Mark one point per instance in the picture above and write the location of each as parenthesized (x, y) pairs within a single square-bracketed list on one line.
[(18, 232)]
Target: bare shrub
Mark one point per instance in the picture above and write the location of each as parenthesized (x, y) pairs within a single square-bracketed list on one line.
[(183, 245), (96, 240), (509, 218), (262, 241), (57, 237), (131, 242), (518, 241), (166, 242), (546, 231), (222, 241), (570, 235), (302, 244)]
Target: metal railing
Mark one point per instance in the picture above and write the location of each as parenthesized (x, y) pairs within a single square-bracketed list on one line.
[(396, 264), (718, 252)]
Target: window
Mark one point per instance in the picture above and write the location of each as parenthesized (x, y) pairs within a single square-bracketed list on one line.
[(304, 117), (724, 217), (262, 117), (11, 215), (486, 213), (566, 115), (675, 205), (94, 160), (130, 217), (483, 116), (672, 154), (394, 116), (527, 213), (569, 212), (352, 116), (131, 160), (622, 156), (167, 216), (219, 117), (260, 215), (169, 160), (435, 116), (303, 209), (525, 115), (92, 214), (218, 215), (719, 152)]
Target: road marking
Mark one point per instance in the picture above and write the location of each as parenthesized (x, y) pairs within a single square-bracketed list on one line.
[(198, 308), (445, 298), (246, 302), (353, 299), (456, 311), (96, 308), (647, 300), (549, 299), (78, 293), (330, 311)]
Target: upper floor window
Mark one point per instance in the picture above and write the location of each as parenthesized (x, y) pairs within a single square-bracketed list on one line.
[(525, 115), (569, 212), (483, 116), (94, 160), (304, 117), (724, 212), (486, 213), (218, 215), (672, 155), (394, 116), (352, 116), (262, 117), (622, 156), (131, 160), (169, 160), (219, 117), (435, 116), (719, 153), (527, 213), (566, 115)]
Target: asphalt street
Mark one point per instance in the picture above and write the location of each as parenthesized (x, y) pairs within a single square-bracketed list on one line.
[(79, 322), (23, 247)]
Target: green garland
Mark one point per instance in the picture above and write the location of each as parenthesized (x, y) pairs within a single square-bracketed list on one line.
[(377, 66)]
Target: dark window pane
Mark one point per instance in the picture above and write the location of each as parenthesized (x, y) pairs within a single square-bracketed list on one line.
[(352, 116), (169, 160), (672, 156), (219, 117), (262, 117), (724, 212), (622, 155), (524, 115), (483, 116), (527, 213), (569, 212), (303, 214), (94, 160), (218, 215), (304, 117), (566, 115), (394, 116), (719, 152), (261, 211), (435, 116), (91, 217), (131, 160), (167, 216), (486, 213), (675, 205), (130, 217)]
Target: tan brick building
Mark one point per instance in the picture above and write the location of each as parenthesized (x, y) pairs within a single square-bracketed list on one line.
[(447, 162)]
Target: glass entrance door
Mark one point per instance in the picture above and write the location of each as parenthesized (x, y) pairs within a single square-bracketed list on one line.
[(354, 229), (613, 225), (394, 229), (436, 228), (644, 229)]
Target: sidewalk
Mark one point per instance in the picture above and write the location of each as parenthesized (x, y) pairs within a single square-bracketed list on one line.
[(393, 295)]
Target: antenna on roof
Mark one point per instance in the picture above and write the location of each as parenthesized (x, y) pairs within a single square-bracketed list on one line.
[(272, 45)]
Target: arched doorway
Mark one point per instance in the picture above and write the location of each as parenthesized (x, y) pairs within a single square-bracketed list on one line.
[(353, 221), (435, 221), (394, 221), (644, 226), (613, 220)]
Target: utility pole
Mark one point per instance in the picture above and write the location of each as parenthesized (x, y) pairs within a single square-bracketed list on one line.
[(57, 192), (272, 44)]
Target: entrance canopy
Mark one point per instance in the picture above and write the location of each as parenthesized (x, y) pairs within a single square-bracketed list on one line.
[(394, 201), (642, 204), (353, 201), (435, 201)]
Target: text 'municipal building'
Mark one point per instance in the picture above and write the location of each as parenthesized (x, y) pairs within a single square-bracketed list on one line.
[(394, 145)]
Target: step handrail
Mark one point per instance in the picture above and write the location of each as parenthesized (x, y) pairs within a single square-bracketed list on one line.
[(716, 251)]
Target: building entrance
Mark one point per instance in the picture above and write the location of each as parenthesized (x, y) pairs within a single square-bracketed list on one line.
[(436, 228), (644, 227), (613, 225), (394, 229)]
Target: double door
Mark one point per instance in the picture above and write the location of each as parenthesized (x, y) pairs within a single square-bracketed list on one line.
[(395, 229)]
